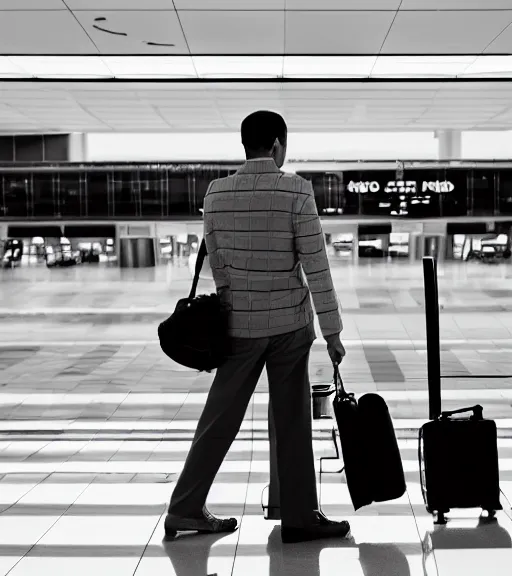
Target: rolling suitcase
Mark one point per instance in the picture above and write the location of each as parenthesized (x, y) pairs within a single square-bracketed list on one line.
[(371, 457), (458, 457), (459, 463)]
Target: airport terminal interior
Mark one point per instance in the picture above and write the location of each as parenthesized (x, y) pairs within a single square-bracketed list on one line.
[(115, 116)]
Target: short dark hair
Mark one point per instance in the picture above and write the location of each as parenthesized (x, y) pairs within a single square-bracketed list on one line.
[(260, 130)]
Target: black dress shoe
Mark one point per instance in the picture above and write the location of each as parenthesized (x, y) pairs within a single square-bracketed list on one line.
[(321, 527), (206, 524)]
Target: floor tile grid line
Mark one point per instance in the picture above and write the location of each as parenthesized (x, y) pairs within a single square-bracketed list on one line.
[(147, 545), (45, 533), (85, 365), (127, 368), (193, 398), (112, 416), (418, 529), (237, 545), (9, 507)]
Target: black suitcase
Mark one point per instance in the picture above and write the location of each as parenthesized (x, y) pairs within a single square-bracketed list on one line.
[(458, 457), (371, 457), (459, 463)]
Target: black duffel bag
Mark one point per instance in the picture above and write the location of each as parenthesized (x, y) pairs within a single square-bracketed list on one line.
[(195, 335)]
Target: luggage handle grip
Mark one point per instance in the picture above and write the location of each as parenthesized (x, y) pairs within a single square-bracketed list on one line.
[(338, 383), (478, 412)]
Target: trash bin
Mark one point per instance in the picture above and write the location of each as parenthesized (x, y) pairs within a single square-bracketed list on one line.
[(322, 401)]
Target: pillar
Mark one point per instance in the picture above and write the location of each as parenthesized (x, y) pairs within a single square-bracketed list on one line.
[(136, 248), (449, 144), (355, 248), (385, 243), (441, 249), (77, 147), (413, 243), (137, 253)]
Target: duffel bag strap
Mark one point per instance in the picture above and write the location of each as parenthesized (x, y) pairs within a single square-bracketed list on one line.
[(478, 412), (199, 265), (338, 382)]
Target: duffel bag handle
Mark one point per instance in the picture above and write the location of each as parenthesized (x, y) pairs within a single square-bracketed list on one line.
[(338, 382), (478, 412), (199, 265)]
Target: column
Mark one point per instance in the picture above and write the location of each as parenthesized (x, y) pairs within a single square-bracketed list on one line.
[(449, 144), (136, 246), (413, 240), (77, 148)]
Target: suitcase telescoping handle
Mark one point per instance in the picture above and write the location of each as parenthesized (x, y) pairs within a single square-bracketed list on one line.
[(478, 412)]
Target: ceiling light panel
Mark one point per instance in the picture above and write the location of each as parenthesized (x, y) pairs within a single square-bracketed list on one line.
[(490, 67), (9, 69), (421, 66), (238, 66), (62, 66), (151, 66), (328, 66)]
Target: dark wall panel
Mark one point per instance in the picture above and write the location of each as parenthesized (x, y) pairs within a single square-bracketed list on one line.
[(369, 229), (34, 148), (30, 231), (56, 148), (29, 148), (6, 148), (90, 231), (160, 191), (466, 228)]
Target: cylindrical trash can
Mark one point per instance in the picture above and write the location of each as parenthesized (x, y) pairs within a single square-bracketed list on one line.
[(137, 253), (322, 400)]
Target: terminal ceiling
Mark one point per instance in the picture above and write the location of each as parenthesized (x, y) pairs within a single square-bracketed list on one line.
[(255, 27), (313, 107), (188, 28)]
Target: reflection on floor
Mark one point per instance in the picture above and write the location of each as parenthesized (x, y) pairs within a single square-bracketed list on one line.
[(365, 288), (95, 424), (85, 479)]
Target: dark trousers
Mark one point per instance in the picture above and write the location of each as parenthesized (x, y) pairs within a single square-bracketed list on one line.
[(286, 358)]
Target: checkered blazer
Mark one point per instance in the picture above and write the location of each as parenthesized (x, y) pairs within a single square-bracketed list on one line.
[(262, 231)]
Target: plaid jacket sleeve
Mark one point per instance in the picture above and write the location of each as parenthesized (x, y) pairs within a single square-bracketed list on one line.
[(310, 247)]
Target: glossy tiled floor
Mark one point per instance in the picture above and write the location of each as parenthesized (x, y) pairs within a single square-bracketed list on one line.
[(95, 500), (96, 423)]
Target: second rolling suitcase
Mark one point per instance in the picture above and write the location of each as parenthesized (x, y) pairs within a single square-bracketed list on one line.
[(371, 457), (458, 456), (459, 463)]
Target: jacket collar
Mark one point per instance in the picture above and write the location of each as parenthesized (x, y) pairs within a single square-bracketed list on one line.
[(258, 166)]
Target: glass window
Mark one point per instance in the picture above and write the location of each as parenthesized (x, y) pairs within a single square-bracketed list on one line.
[(179, 193), (429, 188), (505, 191), (201, 181), (153, 191), (15, 195), (126, 193), (70, 187), (377, 192), (98, 197), (331, 195), (455, 203), (482, 186), (44, 195)]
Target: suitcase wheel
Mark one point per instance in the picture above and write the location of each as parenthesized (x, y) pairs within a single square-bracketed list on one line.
[(491, 515), (440, 518)]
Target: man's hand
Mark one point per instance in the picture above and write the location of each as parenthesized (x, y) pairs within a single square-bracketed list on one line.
[(335, 348)]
